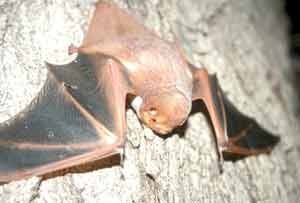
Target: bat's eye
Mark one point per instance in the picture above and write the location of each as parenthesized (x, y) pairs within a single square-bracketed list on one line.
[(153, 111)]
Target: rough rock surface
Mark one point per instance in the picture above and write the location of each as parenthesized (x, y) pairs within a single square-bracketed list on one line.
[(244, 42)]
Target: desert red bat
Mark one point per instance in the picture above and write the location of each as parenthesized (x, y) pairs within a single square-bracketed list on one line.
[(79, 115)]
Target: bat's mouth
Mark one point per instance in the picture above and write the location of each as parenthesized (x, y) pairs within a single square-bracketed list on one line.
[(159, 128)]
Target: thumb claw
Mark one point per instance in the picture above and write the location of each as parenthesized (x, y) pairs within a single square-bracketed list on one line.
[(72, 49)]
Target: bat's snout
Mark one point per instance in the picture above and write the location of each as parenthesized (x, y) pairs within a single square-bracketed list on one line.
[(164, 112), (156, 121)]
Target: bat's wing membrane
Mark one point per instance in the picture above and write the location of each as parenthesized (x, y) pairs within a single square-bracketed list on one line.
[(246, 137), (237, 135), (77, 117), (109, 23), (112, 31)]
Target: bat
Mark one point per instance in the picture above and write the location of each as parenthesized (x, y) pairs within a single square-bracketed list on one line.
[(79, 115)]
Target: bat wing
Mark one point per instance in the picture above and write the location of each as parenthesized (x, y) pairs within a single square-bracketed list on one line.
[(237, 135), (77, 117), (112, 31), (109, 22), (245, 135)]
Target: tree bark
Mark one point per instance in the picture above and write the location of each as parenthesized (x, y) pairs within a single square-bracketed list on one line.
[(244, 42)]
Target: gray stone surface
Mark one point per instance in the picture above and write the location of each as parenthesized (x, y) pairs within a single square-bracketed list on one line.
[(244, 42)]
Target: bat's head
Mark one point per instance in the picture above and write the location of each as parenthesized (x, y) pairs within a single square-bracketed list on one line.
[(163, 112)]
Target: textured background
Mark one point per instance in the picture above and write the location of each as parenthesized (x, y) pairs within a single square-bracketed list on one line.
[(244, 42)]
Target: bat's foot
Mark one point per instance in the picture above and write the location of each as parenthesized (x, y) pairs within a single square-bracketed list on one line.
[(221, 162), (72, 49)]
